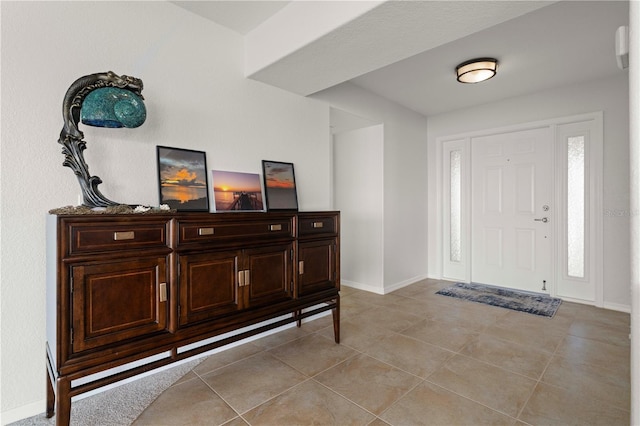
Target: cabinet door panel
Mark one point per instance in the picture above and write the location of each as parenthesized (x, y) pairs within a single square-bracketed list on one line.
[(208, 285), (117, 301), (316, 270), (270, 270)]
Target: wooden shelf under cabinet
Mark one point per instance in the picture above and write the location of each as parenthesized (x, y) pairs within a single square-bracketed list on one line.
[(129, 293)]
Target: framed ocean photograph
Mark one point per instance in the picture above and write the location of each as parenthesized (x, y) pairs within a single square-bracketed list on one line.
[(182, 177), (279, 185), (237, 191)]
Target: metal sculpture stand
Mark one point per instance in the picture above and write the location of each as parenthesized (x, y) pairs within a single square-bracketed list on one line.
[(71, 138)]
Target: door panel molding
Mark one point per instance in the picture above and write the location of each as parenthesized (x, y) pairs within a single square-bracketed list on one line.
[(508, 194)]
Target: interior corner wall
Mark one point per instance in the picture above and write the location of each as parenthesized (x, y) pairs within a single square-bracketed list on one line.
[(358, 180), (634, 160), (197, 98), (405, 180), (608, 95)]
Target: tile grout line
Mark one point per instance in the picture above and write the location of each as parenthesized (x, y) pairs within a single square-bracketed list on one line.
[(343, 396), (458, 352), (554, 355), (544, 370), (470, 399)]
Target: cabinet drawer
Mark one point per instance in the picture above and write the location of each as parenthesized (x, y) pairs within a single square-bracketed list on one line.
[(93, 238), (214, 231), (316, 225)]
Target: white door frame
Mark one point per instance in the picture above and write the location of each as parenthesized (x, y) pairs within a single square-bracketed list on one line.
[(461, 270)]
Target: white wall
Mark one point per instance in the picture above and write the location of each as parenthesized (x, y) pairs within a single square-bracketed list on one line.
[(358, 168), (610, 96), (405, 180), (196, 97), (634, 161)]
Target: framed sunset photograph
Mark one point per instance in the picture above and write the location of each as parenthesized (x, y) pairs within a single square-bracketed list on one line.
[(237, 191), (279, 185), (182, 175)]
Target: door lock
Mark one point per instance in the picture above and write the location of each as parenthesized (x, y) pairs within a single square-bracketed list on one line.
[(543, 220)]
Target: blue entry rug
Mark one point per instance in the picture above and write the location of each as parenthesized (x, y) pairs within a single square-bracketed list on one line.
[(532, 303)]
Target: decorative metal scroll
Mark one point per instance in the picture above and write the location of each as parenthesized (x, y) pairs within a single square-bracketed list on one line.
[(72, 139)]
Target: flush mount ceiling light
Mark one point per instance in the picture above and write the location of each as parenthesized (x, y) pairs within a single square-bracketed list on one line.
[(476, 70)]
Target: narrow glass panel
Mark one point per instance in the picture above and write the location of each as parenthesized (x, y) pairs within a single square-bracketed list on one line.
[(455, 246), (575, 206)]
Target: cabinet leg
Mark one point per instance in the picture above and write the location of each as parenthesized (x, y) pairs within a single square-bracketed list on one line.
[(335, 312), (51, 397), (63, 402), (298, 321)]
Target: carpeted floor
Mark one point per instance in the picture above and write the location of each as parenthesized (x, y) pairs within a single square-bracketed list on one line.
[(532, 303), (118, 406)]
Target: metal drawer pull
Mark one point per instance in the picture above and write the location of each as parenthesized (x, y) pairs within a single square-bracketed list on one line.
[(318, 224), (277, 227), (243, 278), (205, 231), (124, 235), (301, 267), (163, 292)]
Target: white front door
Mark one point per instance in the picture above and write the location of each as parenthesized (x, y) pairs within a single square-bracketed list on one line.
[(512, 209)]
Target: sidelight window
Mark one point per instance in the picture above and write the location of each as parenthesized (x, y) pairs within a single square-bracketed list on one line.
[(575, 206), (455, 230)]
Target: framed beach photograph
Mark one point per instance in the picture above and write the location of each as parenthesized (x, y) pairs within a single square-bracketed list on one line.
[(279, 185), (236, 191), (182, 176)]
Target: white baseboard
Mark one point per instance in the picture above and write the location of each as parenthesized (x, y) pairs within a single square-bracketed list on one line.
[(617, 307), (360, 286), (23, 412), (606, 305), (404, 283), (378, 290)]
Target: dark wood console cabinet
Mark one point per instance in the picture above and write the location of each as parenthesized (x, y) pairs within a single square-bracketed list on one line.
[(130, 293)]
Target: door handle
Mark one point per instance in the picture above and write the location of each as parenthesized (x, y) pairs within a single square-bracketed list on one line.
[(543, 220)]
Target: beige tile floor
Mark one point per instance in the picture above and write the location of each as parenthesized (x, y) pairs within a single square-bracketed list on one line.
[(413, 357)]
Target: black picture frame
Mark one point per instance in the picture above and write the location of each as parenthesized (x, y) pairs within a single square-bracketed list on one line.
[(279, 186), (182, 179)]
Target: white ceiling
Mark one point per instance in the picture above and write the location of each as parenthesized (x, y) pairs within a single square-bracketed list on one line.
[(555, 44), (241, 15)]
